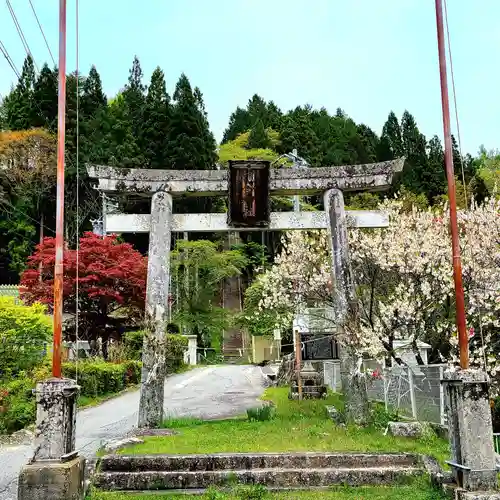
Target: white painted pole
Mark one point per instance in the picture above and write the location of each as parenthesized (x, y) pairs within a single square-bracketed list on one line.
[(412, 393)]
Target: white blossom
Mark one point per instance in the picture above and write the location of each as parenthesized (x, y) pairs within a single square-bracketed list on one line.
[(404, 280)]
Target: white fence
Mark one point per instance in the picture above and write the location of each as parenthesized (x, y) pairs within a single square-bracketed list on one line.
[(414, 391)]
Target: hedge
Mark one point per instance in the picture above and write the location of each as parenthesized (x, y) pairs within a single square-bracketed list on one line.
[(175, 348), (24, 334), (99, 378), (96, 378)]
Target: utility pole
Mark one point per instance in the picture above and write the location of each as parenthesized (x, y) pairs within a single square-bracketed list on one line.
[(61, 128), (463, 340)]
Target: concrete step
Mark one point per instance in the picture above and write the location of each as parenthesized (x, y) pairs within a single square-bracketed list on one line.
[(280, 478), (253, 461)]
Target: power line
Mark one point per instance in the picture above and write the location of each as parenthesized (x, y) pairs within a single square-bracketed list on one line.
[(20, 32), (17, 209), (6, 54), (43, 34)]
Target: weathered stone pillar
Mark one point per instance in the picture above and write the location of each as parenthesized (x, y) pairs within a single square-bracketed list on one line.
[(55, 471), (192, 349), (153, 354), (353, 381), (55, 418), (470, 429)]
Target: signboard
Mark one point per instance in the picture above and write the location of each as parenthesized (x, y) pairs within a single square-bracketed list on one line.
[(248, 193), (318, 346)]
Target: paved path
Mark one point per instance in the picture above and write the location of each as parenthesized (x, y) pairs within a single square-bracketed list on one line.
[(208, 392)]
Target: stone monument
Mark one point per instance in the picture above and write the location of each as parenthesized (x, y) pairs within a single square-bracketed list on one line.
[(55, 472), (312, 384)]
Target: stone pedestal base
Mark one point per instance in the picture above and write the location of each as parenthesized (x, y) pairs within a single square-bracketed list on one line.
[(52, 480), (55, 418), (470, 429)]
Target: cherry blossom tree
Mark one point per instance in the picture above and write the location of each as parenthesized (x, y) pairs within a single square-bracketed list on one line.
[(404, 282)]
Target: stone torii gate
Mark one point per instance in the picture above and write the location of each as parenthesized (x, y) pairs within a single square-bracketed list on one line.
[(165, 185)]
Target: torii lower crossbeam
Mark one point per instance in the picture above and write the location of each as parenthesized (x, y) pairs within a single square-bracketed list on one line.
[(211, 223)]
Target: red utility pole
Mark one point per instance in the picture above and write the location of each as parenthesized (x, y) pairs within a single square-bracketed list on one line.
[(463, 340), (61, 128)]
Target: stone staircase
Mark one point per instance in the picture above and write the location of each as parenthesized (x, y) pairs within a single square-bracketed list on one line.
[(277, 471), (232, 347)]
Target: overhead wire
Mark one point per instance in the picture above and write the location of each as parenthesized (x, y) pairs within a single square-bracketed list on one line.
[(43, 33), (9, 59), (21, 33), (7, 202), (42, 115), (455, 100)]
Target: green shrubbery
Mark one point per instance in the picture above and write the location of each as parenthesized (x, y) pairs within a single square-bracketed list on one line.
[(24, 334), (261, 413), (99, 378), (96, 378), (17, 404), (175, 347)]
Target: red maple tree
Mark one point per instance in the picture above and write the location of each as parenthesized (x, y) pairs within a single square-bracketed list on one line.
[(111, 284)]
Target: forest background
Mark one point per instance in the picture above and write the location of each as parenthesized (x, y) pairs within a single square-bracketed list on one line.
[(143, 126)]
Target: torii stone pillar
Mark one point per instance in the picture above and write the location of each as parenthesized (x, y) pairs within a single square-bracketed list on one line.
[(153, 353), (346, 307)]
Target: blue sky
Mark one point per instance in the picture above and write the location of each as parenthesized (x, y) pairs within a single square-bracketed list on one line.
[(365, 56)]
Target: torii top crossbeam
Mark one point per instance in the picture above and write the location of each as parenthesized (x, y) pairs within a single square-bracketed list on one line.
[(283, 181)]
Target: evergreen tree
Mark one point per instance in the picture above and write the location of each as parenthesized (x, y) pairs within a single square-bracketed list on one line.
[(274, 116), (191, 144), (134, 97), (368, 144), (93, 109), (198, 97), (258, 138), (239, 122), (19, 104), (457, 157), (340, 113), (243, 120), (45, 95), (434, 178), (257, 109), (391, 145), (71, 120), (297, 132), (339, 141), (157, 122), (414, 149), (121, 148), (93, 98)]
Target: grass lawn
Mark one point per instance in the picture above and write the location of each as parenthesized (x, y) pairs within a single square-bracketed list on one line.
[(297, 426), (418, 490)]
